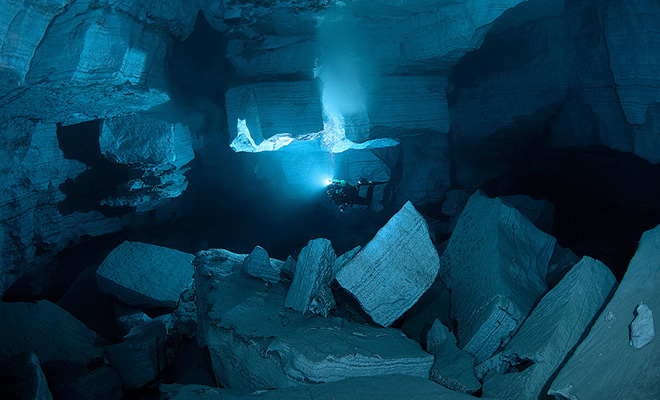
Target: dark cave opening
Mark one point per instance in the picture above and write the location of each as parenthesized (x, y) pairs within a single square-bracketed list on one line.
[(102, 178), (604, 199)]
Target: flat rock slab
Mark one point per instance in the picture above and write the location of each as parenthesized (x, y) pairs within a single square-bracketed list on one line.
[(495, 266), (553, 329), (142, 274), (390, 387), (605, 362), (329, 351), (61, 342), (256, 343), (394, 269)]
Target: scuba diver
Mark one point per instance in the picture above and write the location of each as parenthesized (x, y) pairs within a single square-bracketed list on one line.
[(344, 194)]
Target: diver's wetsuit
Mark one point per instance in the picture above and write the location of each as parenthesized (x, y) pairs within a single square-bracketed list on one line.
[(344, 194)]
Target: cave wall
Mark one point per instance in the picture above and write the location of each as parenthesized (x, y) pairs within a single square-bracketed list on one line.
[(463, 88)]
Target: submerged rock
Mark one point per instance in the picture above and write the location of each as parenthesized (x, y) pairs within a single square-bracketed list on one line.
[(495, 266), (641, 329), (453, 367), (255, 342), (103, 383), (258, 111), (552, 330), (631, 372), (21, 378), (258, 265), (335, 350), (434, 304), (394, 269), (142, 355), (389, 387), (92, 63), (310, 289), (64, 345), (143, 274)]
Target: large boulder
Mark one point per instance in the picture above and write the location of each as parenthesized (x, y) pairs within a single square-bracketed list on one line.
[(258, 265), (64, 345), (255, 342), (143, 274), (606, 361), (21, 378), (553, 329), (394, 269), (143, 354), (495, 266), (453, 367), (310, 289), (91, 63), (145, 141)]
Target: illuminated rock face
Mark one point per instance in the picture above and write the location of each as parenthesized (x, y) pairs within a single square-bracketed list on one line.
[(394, 269), (547, 336), (495, 266), (607, 347)]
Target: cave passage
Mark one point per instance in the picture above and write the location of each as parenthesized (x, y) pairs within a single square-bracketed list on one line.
[(604, 199)]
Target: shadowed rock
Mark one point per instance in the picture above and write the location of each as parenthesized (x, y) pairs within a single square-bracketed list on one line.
[(65, 345), (394, 269), (143, 274), (21, 378), (142, 355), (631, 373), (103, 383), (390, 387), (553, 329), (495, 266), (453, 367)]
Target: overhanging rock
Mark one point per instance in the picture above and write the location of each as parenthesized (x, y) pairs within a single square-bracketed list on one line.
[(495, 266), (262, 110), (143, 274), (394, 269), (553, 329), (631, 373)]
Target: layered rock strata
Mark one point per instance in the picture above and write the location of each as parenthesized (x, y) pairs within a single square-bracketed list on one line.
[(553, 329), (607, 344), (255, 342), (394, 269), (495, 266)]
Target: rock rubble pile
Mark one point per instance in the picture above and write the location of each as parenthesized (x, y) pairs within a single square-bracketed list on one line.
[(277, 329)]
